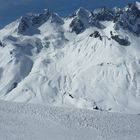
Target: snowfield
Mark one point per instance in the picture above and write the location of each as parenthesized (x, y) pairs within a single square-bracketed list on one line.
[(20, 121)]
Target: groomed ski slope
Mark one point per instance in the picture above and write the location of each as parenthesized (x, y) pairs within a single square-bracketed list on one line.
[(20, 121)]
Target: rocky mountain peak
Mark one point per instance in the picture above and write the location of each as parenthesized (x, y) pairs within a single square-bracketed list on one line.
[(129, 19), (83, 13), (33, 21), (103, 14)]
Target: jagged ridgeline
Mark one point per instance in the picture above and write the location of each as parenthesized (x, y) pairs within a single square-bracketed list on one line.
[(90, 59)]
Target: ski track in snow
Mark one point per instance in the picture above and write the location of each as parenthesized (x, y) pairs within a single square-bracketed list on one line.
[(20, 121)]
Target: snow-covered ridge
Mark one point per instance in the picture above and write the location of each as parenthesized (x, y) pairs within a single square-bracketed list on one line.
[(138, 5), (88, 60)]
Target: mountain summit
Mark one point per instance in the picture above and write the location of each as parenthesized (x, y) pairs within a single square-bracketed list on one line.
[(90, 59)]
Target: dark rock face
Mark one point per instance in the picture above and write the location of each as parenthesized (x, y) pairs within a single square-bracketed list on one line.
[(13, 86), (40, 18), (23, 25), (1, 44), (130, 19), (77, 26), (95, 23), (80, 20), (96, 108), (118, 12), (103, 14), (56, 19), (83, 19), (33, 21), (120, 40), (96, 34), (127, 18)]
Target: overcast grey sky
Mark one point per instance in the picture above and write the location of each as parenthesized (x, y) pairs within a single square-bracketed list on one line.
[(13, 9)]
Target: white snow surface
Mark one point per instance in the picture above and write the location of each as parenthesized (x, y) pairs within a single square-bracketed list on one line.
[(20, 121), (57, 67), (138, 5)]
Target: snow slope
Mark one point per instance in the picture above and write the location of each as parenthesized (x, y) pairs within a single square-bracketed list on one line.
[(33, 122), (88, 60)]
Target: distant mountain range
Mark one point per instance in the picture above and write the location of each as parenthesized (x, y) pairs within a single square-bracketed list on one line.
[(90, 59)]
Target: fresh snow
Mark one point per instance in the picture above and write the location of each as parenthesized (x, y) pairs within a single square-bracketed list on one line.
[(33, 122), (138, 5)]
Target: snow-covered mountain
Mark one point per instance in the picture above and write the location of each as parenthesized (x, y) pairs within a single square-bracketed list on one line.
[(90, 59)]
